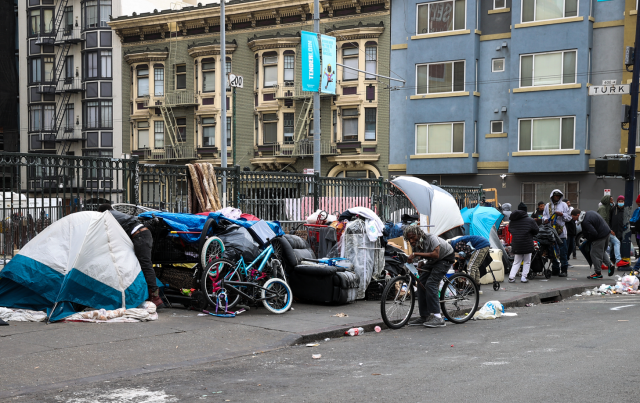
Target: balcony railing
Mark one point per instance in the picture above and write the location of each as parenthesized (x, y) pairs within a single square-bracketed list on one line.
[(69, 35), (70, 134), (179, 98), (185, 152), (293, 90), (69, 85), (302, 148)]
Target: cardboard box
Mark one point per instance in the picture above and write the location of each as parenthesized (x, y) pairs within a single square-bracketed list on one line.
[(402, 244)]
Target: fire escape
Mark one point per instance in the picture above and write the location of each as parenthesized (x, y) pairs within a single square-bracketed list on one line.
[(63, 35)]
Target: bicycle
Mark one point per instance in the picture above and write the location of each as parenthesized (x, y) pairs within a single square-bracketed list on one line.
[(459, 298), (227, 282)]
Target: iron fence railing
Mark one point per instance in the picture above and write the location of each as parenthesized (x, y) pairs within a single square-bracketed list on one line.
[(38, 189)]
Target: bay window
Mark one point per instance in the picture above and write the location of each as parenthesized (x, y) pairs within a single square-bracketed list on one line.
[(98, 114), (270, 69), (208, 132), (541, 10), (36, 70), (350, 124), (35, 118), (269, 128), (106, 114), (546, 134), (48, 69), (34, 22), (92, 65), (435, 78), (47, 20), (440, 138), (91, 14), (208, 75), (142, 74), (91, 118), (441, 16), (350, 56), (551, 68), (105, 12), (105, 63)]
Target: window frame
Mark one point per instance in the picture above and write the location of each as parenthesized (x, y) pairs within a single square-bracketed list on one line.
[(205, 72), (266, 65), (428, 4), (292, 62), (292, 125), (181, 130), (156, 81), (559, 133), (367, 60), (464, 126), (269, 122), (103, 118), (139, 77), (493, 69), (501, 125), (453, 78), (143, 126), (208, 125), (345, 58), (106, 61), (180, 73), (535, 11), (533, 68), (355, 117), (158, 124), (499, 8), (375, 124)]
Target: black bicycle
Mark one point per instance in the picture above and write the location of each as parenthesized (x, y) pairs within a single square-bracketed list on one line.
[(459, 297)]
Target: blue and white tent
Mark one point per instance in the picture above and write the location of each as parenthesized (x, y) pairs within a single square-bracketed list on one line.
[(84, 258)]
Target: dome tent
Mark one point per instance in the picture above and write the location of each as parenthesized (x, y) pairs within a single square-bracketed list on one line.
[(84, 258)]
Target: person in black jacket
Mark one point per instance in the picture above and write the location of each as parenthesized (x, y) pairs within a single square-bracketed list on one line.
[(596, 231), (571, 234), (522, 229), (537, 215), (617, 223)]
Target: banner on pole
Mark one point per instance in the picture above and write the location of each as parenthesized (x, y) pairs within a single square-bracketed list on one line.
[(310, 55), (328, 64)]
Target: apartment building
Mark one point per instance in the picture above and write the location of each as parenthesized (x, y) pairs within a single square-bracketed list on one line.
[(497, 95), (171, 81)]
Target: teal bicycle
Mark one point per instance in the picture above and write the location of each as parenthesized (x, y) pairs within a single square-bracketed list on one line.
[(226, 283)]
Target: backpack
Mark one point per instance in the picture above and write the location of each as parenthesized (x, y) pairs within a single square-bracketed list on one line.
[(553, 220)]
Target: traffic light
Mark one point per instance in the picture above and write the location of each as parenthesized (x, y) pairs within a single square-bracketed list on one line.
[(616, 165)]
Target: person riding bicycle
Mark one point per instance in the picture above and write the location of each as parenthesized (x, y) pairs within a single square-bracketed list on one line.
[(436, 257)]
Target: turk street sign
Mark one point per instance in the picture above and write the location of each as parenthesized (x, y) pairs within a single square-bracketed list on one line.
[(619, 89)]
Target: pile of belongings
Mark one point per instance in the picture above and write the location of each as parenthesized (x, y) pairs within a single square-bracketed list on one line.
[(143, 313), (624, 285)]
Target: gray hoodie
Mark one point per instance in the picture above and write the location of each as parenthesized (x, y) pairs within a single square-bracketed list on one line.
[(506, 210), (559, 206)]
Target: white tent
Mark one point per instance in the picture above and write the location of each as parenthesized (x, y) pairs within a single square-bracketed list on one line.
[(84, 258)]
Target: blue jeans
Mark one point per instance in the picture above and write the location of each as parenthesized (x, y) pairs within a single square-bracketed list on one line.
[(564, 263), (615, 245)]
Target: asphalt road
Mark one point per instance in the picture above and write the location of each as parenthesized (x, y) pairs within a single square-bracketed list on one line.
[(581, 349)]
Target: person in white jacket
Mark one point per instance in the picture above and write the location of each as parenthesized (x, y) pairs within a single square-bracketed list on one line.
[(557, 213)]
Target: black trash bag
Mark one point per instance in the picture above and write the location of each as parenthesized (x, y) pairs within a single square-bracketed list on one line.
[(238, 242)]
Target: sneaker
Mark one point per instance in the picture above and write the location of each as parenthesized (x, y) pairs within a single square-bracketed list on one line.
[(523, 280), (622, 263), (418, 321), (563, 274), (435, 322), (595, 276), (611, 270), (512, 280)]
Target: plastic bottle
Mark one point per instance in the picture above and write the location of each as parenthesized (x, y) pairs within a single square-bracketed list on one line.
[(354, 331)]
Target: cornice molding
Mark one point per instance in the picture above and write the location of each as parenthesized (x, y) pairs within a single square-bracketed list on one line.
[(147, 55), (197, 50), (274, 42)]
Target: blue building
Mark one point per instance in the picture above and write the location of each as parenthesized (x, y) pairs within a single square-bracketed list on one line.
[(497, 94)]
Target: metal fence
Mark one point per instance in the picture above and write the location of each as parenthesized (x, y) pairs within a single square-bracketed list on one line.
[(39, 189)]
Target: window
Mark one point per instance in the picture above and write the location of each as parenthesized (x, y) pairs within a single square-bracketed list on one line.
[(34, 22), (546, 134), (142, 72), (68, 68), (91, 14), (440, 138), (68, 20), (105, 64), (105, 12), (158, 81), (68, 118), (209, 132), (208, 75), (371, 61), (143, 135), (289, 65), (47, 16), (92, 65), (440, 77), (91, 119), (48, 69), (36, 70), (497, 126), (106, 114), (350, 124), (497, 65), (269, 128), (227, 71), (350, 59), (158, 134), (441, 16), (370, 124), (255, 127), (35, 118), (181, 131), (540, 10), (498, 4), (288, 127), (548, 69), (270, 68), (532, 192), (181, 76), (335, 125), (229, 132)]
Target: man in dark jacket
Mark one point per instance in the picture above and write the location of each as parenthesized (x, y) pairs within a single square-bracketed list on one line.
[(142, 246), (522, 229), (617, 224), (571, 234), (596, 231), (537, 215)]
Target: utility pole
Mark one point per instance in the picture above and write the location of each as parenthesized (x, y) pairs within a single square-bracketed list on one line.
[(233, 127), (631, 146), (223, 102), (316, 96)]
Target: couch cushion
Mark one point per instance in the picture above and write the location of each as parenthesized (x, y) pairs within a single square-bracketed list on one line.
[(315, 270)]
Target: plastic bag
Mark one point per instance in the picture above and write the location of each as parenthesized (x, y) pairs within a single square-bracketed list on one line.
[(490, 310), (630, 282), (321, 217)]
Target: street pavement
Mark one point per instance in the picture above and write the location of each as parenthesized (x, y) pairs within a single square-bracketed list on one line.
[(579, 349), (39, 358)]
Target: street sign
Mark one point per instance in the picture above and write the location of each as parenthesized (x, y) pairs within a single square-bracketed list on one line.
[(308, 171), (607, 192), (235, 81), (610, 89), (609, 82), (328, 64)]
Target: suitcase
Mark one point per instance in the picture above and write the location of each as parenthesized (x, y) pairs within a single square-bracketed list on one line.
[(345, 287)]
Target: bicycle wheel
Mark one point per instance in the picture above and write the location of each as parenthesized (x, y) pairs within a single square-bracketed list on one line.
[(280, 296), (459, 298), (277, 270), (397, 302), (212, 249), (212, 275)]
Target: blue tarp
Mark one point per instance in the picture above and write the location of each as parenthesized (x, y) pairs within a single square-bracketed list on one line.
[(195, 222), (479, 220)]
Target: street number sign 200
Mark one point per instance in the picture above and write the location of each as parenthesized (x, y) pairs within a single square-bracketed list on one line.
[(235, 81)]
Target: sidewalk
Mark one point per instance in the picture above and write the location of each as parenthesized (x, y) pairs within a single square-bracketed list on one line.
[(35, 356)]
